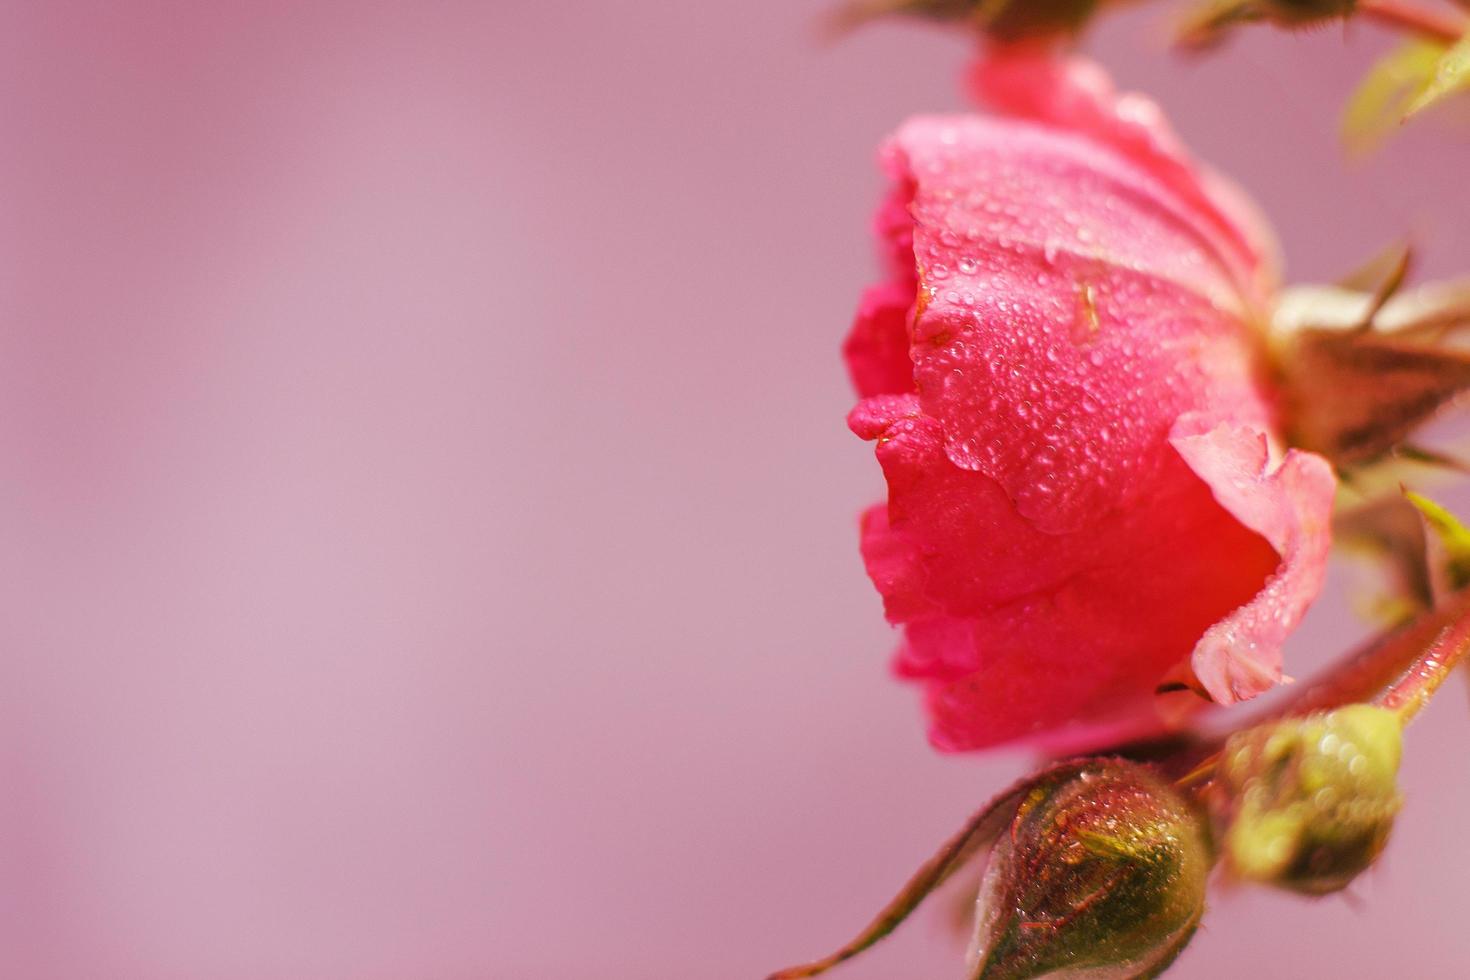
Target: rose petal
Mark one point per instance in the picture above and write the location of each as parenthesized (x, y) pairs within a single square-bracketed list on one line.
[(1068, 313), (877, 349), (1016, 631), (1289, 504), (1076, 95), (1052, 551)]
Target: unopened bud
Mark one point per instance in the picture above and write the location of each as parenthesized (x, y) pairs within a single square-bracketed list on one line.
[(1103, 870), (1308, 803)]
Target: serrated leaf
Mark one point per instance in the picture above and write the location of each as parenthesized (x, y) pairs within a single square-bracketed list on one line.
[(1383, 99), (1451, 75), (1451, 533)]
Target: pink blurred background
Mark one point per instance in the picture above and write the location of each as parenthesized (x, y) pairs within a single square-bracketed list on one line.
[(427, 520)]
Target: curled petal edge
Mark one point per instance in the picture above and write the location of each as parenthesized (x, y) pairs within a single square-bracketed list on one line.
[(1288, 501)]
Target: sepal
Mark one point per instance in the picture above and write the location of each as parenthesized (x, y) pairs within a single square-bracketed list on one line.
[(1451, 539), (956, 854), (1361, 372)]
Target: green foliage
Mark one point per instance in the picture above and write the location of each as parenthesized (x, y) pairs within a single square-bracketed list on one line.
[(1451, 75), (1452, 535), (1409, 79)]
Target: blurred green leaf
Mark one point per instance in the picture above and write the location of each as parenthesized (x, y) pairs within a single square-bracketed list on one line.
[(1452, 534), (1387, 94), (1451, 75)]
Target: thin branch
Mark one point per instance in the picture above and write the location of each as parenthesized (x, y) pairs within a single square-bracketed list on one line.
[(1399, 670), (956, 853), (1423, 677), (1383, 663)]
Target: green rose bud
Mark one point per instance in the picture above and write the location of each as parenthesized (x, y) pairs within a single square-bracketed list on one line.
[(1103, 870), (1308, 803)]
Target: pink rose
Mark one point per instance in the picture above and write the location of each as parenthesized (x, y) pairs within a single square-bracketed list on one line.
[(1066, 378)]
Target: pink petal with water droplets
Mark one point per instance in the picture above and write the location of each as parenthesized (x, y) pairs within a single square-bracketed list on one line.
[(877, 348), (1289, 503), (1017, 633), (1076, 95), (1081, 286), (1069, 310)]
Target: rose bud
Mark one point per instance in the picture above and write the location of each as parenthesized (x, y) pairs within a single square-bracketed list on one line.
[(1067, 381), (1103, 870), (1095, 865), (1307, 803)]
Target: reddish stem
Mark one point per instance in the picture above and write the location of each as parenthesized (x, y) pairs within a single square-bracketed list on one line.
[(1399, 670), (1413, 690), (1430, 24), (1388, 661)]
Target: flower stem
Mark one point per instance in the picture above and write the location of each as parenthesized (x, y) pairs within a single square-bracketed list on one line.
[(1413, 690), (956, 853), (1400, 670), (1415, 19), (1408, 663)]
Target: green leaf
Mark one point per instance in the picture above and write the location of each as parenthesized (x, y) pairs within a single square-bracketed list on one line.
[(1452, 533), (1451, 75), (1385, 96)]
